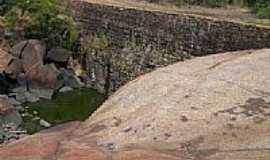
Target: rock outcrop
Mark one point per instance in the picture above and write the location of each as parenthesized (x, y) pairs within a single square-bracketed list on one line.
[(208, 108)]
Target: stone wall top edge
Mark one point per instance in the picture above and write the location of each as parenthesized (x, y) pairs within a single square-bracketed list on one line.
[(83, 3)]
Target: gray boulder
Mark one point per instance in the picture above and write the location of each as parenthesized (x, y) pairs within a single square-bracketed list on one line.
[(44, 77), (59, 55), (70, 79), (44, 123), (5, 59)]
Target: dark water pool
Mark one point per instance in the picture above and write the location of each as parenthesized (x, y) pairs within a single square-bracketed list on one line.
[(64, 107)]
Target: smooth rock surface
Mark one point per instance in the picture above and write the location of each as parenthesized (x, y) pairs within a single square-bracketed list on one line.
[(209, 108), (32, 54), (45, 76)]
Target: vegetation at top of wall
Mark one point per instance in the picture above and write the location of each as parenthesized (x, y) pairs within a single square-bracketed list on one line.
[(260, 7), (47, 20)]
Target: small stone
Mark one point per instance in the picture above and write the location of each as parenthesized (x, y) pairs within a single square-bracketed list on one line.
[(14, 102), (36, 118), (44, 123), (65, 89), (26, 115)]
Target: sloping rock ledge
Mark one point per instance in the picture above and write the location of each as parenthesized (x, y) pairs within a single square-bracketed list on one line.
[(209, 108)]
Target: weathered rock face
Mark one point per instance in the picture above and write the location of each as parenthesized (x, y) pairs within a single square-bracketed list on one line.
[(208, 108)]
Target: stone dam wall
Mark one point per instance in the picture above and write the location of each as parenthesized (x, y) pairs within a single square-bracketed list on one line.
[(162, 39)]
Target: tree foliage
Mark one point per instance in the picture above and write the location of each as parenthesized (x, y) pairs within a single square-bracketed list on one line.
[(260, 7), (47, 20)]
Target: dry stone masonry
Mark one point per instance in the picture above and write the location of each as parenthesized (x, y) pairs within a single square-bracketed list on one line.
[(165, 38)]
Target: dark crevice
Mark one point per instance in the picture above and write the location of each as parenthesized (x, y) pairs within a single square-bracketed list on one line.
[(23, 48), (107, 79)]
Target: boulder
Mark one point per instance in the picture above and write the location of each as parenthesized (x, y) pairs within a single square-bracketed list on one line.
[(45, 77), (32, 53), (18, 49), (70, 79), (59, 55), (5, 59), (15, 68), (28, 68), (209, 108)]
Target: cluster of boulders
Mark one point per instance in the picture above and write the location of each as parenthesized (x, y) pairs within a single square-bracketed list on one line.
[(30, 72), (10, 121)]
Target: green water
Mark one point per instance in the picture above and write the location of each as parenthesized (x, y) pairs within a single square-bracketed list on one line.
[(64, 107)]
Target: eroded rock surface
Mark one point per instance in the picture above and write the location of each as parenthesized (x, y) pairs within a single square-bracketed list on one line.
[(209, 108)]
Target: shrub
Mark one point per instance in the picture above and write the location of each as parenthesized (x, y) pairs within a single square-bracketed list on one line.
[(261, 8), (47, 20)]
